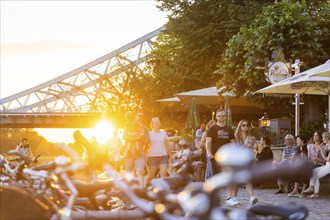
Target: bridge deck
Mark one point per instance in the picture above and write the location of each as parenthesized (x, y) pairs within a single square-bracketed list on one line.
[(49, 120)]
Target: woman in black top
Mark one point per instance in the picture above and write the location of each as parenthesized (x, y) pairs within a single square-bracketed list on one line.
[(266, 153), (300, 154)]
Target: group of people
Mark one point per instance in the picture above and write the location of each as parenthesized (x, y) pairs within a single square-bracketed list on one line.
[(317, 151), (217, 134), (150, 148), (145, 148)]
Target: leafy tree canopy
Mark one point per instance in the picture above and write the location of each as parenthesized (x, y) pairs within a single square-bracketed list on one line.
[(301, 29), (187, 52)]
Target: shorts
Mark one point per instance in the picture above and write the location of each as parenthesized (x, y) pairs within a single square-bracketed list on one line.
[(134, 162), (156, 161)]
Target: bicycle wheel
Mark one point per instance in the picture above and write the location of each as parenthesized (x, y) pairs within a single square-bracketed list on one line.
[(17, 203)]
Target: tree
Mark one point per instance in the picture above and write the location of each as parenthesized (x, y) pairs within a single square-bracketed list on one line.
[(299, 27), (11, 137), (187, 52), (196, 36)]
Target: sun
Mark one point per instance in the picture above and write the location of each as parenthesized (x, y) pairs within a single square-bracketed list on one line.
[(102, 131)]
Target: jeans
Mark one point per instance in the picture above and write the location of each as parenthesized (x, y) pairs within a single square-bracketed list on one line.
[(318, 173)]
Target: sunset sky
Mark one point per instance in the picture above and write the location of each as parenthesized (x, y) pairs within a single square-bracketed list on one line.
[(41, 40)]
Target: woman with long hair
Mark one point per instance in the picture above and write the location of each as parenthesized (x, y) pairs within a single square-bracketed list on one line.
[(316, 149), (265, 153), (301, 153), (244, 138), (319, 172)]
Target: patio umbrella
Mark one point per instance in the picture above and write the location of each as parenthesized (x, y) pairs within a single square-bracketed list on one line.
[(315, 81), (170, 101), (193, 117), (227, 109), (321, 70), (205, 96), (211, 97)]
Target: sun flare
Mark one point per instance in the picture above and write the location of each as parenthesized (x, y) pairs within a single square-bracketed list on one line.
[(102, 131)]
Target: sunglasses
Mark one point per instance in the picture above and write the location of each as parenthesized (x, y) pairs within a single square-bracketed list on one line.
[(245, 125), (220, 116)]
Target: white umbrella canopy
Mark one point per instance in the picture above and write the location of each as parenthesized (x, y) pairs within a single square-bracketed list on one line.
[(213, 96), (321, 70), (315, 81), (300, 84), (206, 96), (169, 100)]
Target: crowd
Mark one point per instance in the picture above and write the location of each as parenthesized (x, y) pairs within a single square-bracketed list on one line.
[(150, 148)]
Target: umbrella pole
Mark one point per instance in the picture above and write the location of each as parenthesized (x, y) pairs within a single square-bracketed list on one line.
[(297, 114), (297, 98)]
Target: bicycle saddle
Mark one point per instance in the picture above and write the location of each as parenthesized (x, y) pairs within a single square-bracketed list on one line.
[(234, 155), (88, 189), (288, 211)]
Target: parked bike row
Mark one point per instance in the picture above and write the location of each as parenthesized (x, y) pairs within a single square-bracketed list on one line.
[(53, 190)]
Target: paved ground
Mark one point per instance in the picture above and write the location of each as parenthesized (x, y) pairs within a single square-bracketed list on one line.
[(319, 208)]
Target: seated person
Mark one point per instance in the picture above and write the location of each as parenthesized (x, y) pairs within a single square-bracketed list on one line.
[(265, 152), (287, 153), (300, 154), (319, 172)]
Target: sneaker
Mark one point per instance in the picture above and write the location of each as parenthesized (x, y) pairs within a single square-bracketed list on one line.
[(309, 191), (315, 195), (232, 202), (253, 200), (293, 194)]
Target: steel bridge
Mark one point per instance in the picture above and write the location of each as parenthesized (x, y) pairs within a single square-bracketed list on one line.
[(65, 100)]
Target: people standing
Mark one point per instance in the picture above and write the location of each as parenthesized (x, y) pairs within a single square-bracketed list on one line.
[(159, 151), (217, 136), (135, 136), (200, 131), (115, 147), (243, 138), (208, 172)]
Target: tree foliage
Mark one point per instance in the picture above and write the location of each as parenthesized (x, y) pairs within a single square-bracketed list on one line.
[(187, 53), (302, 31), (210, 41), (301, 28), (196, 35), (11, 137)]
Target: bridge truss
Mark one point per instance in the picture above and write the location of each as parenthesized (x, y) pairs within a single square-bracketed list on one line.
[(80, 90)]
